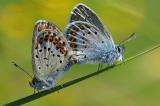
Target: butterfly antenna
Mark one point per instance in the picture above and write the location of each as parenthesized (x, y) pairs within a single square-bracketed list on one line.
[(20, 68), (131, 37)]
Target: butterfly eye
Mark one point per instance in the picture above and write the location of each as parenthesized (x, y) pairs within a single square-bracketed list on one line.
[(32, 83), (119, 49)]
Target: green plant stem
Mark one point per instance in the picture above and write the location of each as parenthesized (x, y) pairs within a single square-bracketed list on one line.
[(32, 97)]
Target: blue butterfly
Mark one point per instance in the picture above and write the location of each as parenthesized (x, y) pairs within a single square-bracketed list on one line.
[(89, 39)]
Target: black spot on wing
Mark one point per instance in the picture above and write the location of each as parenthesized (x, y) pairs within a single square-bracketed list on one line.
[(57, 48), (58, 55), (45, 58), (49, 49), (36, 56), (40, 50)]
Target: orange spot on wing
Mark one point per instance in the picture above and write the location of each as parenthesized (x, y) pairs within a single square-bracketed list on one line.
[(63, 51), (50, 38), (56, 41)]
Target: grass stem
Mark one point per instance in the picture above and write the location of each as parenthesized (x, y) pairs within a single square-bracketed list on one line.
[(32, 97)]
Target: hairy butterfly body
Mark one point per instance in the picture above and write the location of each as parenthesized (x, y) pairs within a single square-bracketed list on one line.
[(50, 55), (90, 39)]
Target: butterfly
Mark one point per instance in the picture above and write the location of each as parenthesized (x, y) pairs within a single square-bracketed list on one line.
[(50, 55), (90, 39)]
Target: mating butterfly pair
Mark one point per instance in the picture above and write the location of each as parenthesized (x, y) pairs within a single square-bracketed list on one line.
[(86, 40)]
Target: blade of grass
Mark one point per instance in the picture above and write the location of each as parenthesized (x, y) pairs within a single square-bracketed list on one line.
[(32, 97)]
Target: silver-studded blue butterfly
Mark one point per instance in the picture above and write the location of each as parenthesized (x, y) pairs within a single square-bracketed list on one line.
[(50, 55), (90, 39)]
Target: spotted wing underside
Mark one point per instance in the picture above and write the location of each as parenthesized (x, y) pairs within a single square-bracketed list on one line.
[(84, 40), (87, 35), (49, 50), (83, 13)]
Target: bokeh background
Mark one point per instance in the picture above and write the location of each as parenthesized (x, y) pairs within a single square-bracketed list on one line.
[(136, 83)]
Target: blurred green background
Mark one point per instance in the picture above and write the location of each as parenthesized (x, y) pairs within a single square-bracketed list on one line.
[(136, 83)]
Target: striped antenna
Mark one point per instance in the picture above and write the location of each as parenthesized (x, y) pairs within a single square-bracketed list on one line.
[(131, 37), (20, 68)]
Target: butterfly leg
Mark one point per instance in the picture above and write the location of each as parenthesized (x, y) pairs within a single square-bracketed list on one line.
[(38, 91), (99, 67), (34, 91)]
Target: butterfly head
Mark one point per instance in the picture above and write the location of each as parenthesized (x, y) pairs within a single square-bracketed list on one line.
[(41, 85), (120, 48), (120, 51)]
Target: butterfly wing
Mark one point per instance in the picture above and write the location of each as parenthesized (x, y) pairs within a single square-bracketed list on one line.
[(87, 35), (49, 51), (87, 41), (83, 13)]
